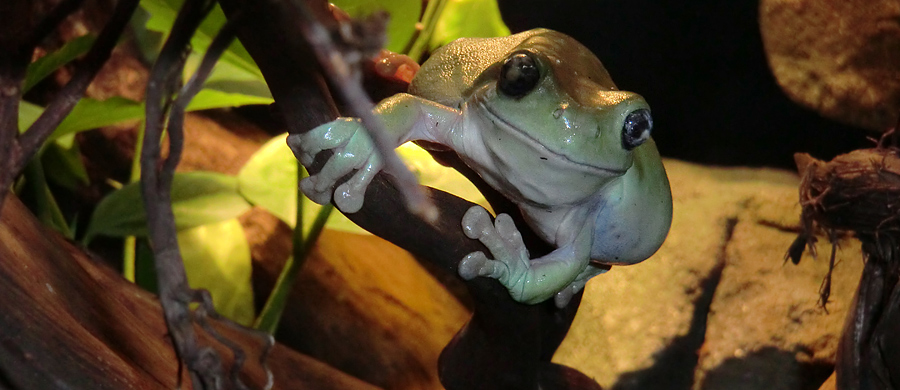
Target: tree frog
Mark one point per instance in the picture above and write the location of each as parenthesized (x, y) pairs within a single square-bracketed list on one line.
[(538, 117)]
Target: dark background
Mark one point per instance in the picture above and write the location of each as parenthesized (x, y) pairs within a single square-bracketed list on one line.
[(701, 66)]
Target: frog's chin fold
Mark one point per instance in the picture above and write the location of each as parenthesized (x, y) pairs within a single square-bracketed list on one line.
[(525, 138)]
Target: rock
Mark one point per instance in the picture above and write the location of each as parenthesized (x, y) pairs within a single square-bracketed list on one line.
[(841, 58), (766, 328), (717, 306)]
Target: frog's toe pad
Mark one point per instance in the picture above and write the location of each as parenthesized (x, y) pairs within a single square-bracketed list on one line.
[(562, 298), (308, 186), (476, 223), (348, 199), (476, 264)]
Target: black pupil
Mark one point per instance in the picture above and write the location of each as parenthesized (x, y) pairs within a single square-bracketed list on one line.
[(637, 128), (519, 75)]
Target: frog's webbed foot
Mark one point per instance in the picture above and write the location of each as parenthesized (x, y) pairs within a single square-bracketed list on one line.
[(511, 264), (352, 149)]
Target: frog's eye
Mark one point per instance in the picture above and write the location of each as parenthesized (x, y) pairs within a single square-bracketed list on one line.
[(636, 129), (519, 74)]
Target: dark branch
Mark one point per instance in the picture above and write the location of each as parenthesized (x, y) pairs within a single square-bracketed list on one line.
[(174, 291), (10, 94), (65, 100), (504, 339), (346, 78), (176, 118), (50, 22), (16, 151), (203, 363)]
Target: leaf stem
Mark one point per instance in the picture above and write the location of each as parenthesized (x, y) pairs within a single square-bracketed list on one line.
[(129, 254), (430, 17), (271, 313)]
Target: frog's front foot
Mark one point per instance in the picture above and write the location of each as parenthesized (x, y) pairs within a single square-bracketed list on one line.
[(565, 295), (352, 150), (511, 264)]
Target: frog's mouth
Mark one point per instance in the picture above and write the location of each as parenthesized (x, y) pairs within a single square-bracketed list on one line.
[(520, 134)]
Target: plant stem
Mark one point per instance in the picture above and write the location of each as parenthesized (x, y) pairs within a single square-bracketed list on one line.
[(432, 13), (129, 255), (271, 313)]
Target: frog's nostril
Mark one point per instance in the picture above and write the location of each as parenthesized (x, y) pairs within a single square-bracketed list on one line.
[(636, 128)]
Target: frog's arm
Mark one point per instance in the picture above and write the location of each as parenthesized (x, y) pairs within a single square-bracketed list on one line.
[(633, 217), (528, 280), (636, 212), (406, 117)]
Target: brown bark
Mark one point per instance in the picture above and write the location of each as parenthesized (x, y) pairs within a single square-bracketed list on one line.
[(70, 322), (858, 193)]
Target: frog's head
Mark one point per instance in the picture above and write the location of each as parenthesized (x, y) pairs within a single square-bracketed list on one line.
[(561, 129)]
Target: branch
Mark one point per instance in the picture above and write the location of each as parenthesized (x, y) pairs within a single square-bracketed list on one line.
[(204, 364), (65, 100), (51, 21), (16, 150), (71, 322), (346, 78), (504, 339)]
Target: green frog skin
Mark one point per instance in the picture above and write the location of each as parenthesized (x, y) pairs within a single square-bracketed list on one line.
[(537, 116)]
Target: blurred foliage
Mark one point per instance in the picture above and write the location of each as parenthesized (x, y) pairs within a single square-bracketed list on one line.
[(468, 18), (198, 198), (404, 14)]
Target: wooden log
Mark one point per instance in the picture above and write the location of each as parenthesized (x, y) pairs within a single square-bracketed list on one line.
[(68, 321), (368, 308), (859, 193)]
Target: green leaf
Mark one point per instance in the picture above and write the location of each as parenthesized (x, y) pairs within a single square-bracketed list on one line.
[(62, 163), (210, 98), (198, 198), (91, 114), (47, 64), (227, 77), (404, 14), (145, 266), (269, 180), (40, 200), (217, 258), (28, 113), (162, 17), (468, 18), (435, 175)]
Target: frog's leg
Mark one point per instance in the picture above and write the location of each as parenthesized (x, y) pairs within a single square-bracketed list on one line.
[(406, 117), (528, 280)]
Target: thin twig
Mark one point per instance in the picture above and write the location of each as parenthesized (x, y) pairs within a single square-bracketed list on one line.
[(17, 151), (203, 363), (347, 83), (175, 127), (10, 94), (174, 291), (51, 21), (32, 140), (425, 30)]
